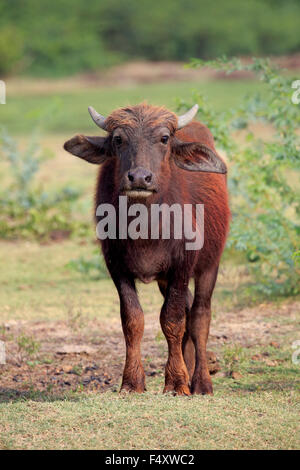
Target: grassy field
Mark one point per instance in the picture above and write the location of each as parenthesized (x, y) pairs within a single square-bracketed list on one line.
[(153, 422), (50, 399), (65, 111), (62, 331)]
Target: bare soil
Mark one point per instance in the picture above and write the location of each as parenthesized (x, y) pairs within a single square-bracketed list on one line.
[(90, 357)]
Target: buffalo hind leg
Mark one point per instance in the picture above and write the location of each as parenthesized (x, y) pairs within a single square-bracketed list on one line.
[(172, 321), (133, 328), (200, 322)]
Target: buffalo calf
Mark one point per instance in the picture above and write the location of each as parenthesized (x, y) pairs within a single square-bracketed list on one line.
[(158, 161)]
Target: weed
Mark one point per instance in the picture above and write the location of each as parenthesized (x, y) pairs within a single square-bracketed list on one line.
[(77, 369), (233, 357), (28, 347), (76, 319)]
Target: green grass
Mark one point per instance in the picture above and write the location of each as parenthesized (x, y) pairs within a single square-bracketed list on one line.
[(36, 284), (67, 111), (229, 420)]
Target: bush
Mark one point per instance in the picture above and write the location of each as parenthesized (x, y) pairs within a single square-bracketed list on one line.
[(27, 211), (56, 38), (62, 38), (11, 49), (94, 266), (185, 28), (262, 175)]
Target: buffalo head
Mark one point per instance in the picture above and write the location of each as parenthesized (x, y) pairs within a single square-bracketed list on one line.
[(143, 140)]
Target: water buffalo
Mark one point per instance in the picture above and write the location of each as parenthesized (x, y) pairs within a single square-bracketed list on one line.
[(153, 157)]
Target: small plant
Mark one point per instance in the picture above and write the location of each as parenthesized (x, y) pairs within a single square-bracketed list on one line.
[(77, 369), (46, 360), (159, 337), (76, 319), (233, 357), (161, 342), (28, 347), (94, 266)]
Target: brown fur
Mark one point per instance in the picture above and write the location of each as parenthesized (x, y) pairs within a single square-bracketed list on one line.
[(141, 115), (184, 320)]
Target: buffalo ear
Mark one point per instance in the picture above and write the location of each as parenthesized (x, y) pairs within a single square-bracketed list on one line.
[(195, 156), (92, 149)]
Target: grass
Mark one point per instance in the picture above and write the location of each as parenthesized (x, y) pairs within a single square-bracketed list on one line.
[(66, 111), (37, 285), (257, 411), (265, 420)]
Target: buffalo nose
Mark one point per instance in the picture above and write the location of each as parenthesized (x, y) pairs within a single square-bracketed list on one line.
[(140, 177)]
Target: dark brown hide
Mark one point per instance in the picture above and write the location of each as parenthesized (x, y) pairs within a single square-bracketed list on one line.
[(136, 139)]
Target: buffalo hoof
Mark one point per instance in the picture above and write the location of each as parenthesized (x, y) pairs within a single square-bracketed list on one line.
[(180, 390), (129, 388), (202, 388)]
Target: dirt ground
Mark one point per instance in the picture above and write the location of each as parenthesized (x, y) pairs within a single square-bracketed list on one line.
[(88, 355)]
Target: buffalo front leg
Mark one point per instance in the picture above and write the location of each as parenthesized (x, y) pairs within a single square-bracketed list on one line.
[(172, 321), (200, 322), (188, 349), (133, 328)]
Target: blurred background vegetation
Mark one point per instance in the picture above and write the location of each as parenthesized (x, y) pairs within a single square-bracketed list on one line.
[(59, 57), (43, 38)]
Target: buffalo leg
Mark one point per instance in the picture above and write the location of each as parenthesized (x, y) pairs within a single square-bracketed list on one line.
[(172, 321), (200, 322), (188, 348), (133, 328)]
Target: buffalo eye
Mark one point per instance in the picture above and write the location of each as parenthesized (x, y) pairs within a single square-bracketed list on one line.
[(117, 140), (164, 139)]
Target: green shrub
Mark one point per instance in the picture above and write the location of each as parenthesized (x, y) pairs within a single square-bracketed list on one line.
[(11, 49), (53, 38), (28, 347), (262, 175), (94, 266), (27, 210), (62, 38), (187, 28)]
